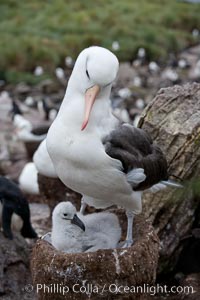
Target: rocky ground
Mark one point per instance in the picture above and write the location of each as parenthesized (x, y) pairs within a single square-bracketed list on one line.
[(136, 85)]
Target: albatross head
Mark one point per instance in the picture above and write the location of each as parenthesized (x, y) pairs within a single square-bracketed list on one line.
[(64, 213), (94, 72)]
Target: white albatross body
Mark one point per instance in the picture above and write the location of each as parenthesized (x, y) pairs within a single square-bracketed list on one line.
[(79, 157)]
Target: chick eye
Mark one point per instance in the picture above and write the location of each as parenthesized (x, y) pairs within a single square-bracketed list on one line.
[(65, 215), (87, 74)]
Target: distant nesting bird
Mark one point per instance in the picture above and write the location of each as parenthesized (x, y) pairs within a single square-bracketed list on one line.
[(92, 153), (141, 53), (115, 46), (183, 63), (69, 61), (124, 93), (196, 71), (14, 202), (60, 73), (49, 111), (154, 67), (171, 74), (137, 81), (139, 103), (15, 110), (23, 127), (72, 233), (43, 162), (136, 120), (38, 71), (28, 179), (195, 33), (122, 114), (30, 101)]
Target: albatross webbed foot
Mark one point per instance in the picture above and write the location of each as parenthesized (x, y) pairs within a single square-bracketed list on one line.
[(127, 243)]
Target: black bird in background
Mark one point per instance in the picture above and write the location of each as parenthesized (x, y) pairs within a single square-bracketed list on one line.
[(13, 201)]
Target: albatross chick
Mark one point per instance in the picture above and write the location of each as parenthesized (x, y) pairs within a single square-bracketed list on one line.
[(78, 233)]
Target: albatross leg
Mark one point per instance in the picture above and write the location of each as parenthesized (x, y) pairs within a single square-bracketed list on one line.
[(129, 236), (83, 206)]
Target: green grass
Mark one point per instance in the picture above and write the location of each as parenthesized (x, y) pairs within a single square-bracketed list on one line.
[(39, 32)]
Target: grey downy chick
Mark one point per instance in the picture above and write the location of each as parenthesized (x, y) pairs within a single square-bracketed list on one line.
[(74, 233)]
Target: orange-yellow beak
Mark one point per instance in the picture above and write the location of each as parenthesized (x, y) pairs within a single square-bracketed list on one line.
[(90, 97)]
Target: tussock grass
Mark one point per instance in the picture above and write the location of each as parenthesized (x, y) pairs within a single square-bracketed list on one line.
[(38, 32)]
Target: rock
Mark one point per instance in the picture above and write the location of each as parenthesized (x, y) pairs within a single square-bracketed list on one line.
[(192, 281), (173, 121), (189, 288), (189, 259), (14, 268), (105, 268), (54, 191), (22, 89)]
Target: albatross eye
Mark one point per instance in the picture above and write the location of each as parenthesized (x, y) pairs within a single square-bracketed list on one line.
[(65, 215), (87, 74)]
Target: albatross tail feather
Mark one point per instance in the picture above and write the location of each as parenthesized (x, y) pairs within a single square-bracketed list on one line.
[(135, 176), (163, 185), (172, 183)]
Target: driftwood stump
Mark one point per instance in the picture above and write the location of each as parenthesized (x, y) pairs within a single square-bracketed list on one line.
[(104, 269), (173, 121)]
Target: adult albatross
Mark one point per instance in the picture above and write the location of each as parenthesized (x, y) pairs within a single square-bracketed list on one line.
[(93, 154)]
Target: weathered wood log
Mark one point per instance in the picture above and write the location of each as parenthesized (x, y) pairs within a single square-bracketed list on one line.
[(104, 269), (173, 121)]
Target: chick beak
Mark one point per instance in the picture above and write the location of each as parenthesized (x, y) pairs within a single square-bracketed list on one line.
[(90, 97), (78, 222)]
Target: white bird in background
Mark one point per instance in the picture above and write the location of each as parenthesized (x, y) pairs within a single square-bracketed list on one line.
[(38, 71), (23, 130), (28, 179), (141, 53), (122, 114), (124, 93), (108, 163), (23, 127), (170, 74), (136, 120), (47, 110), (195, 33), (60, 73), (137, 81), (139, 103), (29, 101), (69, 61), (115, 46), (43, 162), (196, 71), (154, 67), (73, 233)]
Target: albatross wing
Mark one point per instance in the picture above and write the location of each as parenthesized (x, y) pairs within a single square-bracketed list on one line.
[(142, 160)]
